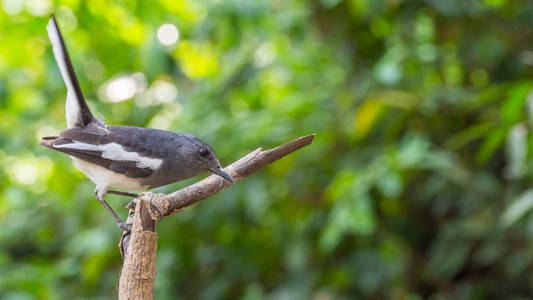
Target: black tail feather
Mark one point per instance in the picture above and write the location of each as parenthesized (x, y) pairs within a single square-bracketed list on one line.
[(78, 113)]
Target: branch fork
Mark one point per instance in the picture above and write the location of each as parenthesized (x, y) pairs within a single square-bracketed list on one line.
[(138, 247)]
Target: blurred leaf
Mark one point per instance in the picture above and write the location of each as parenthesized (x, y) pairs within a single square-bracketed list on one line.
[(491, 145), (517, 150), (520, 206), (468, 135)]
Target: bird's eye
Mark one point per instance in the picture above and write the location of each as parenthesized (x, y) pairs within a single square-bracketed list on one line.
[(203, 152)]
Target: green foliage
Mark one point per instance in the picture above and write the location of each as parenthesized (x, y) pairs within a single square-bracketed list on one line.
[(417, 185)]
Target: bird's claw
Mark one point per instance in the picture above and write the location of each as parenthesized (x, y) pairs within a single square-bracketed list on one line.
[(131, 205), (125, 226)]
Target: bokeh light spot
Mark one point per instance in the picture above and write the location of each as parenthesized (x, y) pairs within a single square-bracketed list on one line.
[(264, 55), (163, 91), (39, 7), (388, 73), (25, 173), (12, 7), (123, 87), (120, 89), (168, 34), (94, 69)]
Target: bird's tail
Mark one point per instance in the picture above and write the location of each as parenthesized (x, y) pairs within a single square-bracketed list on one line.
[(77, 111), (48, 141)]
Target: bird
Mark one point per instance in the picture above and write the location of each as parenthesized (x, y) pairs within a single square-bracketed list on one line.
[(122, 157)]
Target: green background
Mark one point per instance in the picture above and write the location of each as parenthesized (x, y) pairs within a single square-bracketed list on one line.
[(418, 184)]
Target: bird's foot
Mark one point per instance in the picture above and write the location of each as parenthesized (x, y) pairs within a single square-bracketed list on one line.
[(131, 205), (125, 226)]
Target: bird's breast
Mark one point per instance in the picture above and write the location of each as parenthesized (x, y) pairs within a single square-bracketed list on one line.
[(104, 177)]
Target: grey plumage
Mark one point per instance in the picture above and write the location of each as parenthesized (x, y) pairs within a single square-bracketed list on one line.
[(124, 157), (179, 152)]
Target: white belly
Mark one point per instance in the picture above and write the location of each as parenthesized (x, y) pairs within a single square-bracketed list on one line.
[(105, 178)]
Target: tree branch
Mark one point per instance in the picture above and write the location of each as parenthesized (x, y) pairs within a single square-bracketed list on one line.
[(138, 273), (240, 169), (137, 279)]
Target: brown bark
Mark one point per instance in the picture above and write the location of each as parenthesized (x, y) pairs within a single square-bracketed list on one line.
[(139, 247), (137, 279)]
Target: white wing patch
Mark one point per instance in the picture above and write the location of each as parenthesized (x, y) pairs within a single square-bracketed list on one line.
[(114, 151)]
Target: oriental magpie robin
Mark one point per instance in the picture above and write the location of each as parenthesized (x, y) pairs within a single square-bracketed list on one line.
[(124, 157)]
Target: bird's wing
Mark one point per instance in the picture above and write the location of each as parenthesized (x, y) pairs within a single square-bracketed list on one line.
[(98, 147), (77, 111)]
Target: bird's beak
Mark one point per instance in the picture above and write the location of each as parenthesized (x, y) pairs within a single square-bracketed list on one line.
[(223, 173)]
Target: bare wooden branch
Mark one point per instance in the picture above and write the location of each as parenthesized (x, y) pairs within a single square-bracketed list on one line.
[(139, 247), (137, 278), (213, 184)]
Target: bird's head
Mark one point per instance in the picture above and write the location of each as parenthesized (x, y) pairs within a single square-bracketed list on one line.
[(204, 159)]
